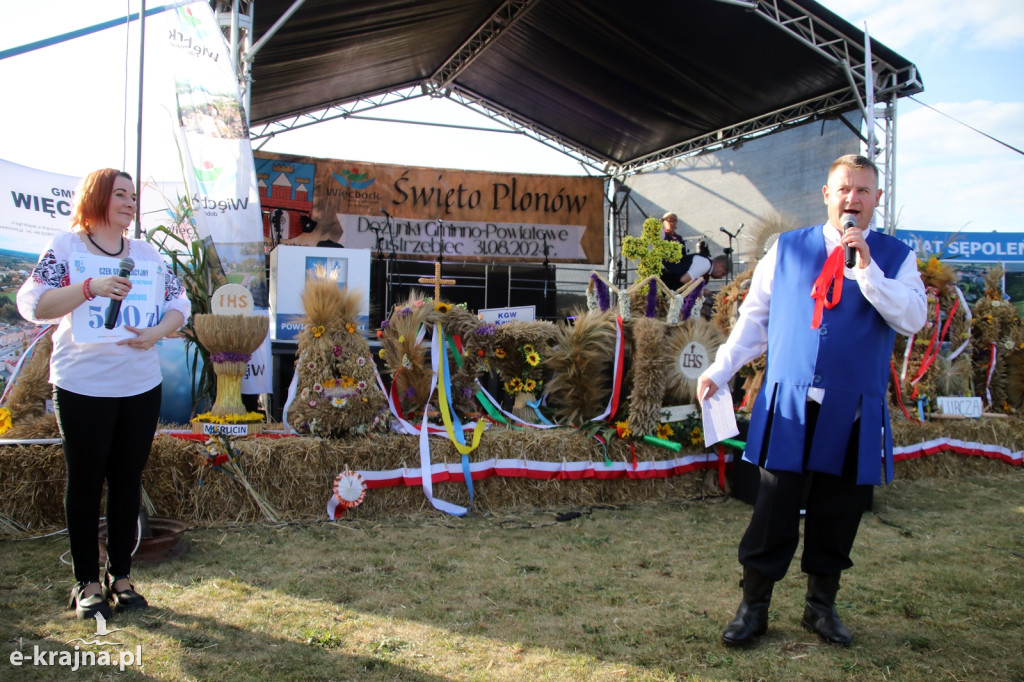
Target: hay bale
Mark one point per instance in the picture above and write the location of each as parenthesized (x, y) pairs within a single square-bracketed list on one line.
[(295, 474)]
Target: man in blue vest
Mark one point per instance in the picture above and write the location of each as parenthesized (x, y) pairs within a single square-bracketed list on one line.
[(819, 428)]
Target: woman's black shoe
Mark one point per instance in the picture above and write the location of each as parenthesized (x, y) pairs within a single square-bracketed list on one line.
[(87, 607), (124, 600)]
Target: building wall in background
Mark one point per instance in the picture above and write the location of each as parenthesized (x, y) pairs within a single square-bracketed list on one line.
[(779, 173)]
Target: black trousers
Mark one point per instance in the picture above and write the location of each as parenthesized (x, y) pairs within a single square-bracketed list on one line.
[(104, 439), (834, 506)]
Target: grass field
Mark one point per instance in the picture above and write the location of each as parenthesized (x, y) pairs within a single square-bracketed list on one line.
[(638, 592)]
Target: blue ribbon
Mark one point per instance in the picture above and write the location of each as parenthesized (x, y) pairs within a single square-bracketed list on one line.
[(459, 432)]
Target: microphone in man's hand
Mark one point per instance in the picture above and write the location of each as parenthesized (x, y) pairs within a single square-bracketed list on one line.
[(124, 269), (849, 220)]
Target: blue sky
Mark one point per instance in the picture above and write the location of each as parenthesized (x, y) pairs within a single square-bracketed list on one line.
[(72, 108)]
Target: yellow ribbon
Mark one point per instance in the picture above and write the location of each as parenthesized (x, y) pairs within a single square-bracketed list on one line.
[(442, 401)]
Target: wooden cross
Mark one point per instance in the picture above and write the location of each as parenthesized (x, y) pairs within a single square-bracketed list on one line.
[(650, 249), (436, 280)]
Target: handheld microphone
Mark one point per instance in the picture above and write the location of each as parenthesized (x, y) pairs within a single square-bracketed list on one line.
[(124, 269), (849, 220)]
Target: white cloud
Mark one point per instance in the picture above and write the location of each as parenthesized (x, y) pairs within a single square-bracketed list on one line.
[(948, 176), (926, 136), (937, 24), (981, 197)]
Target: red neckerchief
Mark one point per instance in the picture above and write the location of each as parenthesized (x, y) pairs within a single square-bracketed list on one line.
[(829, 281)]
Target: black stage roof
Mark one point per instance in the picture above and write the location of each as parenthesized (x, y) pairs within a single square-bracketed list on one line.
[(624, 82)]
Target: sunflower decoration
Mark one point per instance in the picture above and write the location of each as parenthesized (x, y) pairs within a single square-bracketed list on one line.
[(580, 362), (520, 348), (336, 391), (691, 431), (997, 339)]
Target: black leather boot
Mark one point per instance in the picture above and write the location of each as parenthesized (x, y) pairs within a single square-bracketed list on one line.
[(752, 616), (820, 613)]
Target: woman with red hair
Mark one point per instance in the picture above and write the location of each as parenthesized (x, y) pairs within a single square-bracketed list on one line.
[(106, 394)]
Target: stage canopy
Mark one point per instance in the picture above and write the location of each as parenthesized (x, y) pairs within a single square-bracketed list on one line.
[(623, 83)]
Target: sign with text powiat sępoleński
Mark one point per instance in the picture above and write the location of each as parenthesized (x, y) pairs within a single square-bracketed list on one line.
[(460, 214)]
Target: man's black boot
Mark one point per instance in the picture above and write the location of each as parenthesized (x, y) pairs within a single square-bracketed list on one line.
[(820, 613), (752, 616)]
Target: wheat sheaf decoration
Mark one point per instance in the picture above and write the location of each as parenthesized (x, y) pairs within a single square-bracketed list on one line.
[(230, 340), (580, 363), (520, 349), (405, 346), (23, 413), (648, 375), (461, 328), (336, 388)]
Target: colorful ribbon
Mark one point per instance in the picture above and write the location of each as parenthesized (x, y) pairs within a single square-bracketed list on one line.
[(967, 314), (991, 371), (454, 427), (899, 392), (932, 351), (620, 357)]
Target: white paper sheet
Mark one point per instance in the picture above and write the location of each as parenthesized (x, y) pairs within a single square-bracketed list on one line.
[(718, 417)]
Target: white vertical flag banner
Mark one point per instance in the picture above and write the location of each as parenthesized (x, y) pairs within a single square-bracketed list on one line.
[(213, 139)]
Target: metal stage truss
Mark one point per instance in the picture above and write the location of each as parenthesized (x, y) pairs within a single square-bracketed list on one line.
[(874, 80)]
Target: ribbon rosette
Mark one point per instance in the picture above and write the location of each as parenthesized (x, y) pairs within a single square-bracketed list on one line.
[(349, 491)]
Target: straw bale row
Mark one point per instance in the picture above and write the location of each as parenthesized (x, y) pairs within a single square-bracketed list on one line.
[(295, 474)]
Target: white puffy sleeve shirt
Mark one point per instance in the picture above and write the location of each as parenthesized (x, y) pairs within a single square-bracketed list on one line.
[(95, 369)]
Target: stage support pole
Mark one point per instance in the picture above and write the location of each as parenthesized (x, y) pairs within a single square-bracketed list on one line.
[(138, 141)]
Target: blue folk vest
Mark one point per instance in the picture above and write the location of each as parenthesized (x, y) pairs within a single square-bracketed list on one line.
[(848, 356)]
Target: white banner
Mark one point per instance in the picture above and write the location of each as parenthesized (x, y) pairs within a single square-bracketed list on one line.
[(464, 239), (213, 139), (34, 206)]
